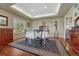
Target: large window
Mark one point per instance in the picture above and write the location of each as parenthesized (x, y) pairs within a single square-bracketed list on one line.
[(18, 25)]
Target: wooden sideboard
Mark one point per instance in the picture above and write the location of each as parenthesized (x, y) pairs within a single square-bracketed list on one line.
[(72, 41), (6, 35)]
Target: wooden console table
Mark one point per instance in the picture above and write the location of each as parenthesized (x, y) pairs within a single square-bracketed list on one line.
[(6, 35), (72, 41)]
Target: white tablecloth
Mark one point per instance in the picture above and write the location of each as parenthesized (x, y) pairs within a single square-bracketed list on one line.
[(30, 34)]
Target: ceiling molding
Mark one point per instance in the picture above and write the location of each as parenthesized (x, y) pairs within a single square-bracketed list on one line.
[(64, 8), (51, 10)]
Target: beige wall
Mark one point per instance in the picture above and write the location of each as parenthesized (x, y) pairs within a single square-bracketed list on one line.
[(11, 16), (50, 23), (25, 21)]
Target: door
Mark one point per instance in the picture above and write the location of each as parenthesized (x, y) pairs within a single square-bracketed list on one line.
[(56, 28)]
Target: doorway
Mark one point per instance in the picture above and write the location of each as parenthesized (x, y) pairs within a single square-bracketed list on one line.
[(56, 28)]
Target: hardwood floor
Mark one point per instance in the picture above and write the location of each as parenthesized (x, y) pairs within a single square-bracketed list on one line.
[(6, 50), (68, 48)]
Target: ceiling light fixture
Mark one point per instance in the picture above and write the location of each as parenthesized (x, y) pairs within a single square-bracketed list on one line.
[(45, 6), (32, 10)]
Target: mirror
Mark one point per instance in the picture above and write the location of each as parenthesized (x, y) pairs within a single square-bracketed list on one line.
[(3, 20)]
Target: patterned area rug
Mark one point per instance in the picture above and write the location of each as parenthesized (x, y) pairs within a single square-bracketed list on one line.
[(47, 48)]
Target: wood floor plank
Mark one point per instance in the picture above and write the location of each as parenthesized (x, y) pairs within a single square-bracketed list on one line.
[(7, 50), (11, 51)]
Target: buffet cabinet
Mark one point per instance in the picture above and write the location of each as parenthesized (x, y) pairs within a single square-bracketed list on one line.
[(6, 35), (72, 40)]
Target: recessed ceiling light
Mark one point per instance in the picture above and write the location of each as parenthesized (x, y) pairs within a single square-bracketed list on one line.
[(32, 10), (45, 6)]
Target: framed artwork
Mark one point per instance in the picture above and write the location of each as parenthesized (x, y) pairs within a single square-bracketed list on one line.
[(3, 20)]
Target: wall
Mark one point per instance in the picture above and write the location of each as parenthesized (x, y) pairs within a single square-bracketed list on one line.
[(70, 21), (11, 16), (20, 34), (50, 23)]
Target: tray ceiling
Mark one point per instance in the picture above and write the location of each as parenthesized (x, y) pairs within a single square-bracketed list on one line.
[(36, 10)]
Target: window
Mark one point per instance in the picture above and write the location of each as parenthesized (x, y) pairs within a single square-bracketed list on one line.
[(18, 26)]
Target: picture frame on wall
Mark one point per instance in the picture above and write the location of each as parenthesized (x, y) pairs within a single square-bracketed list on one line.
[(3, 20)]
